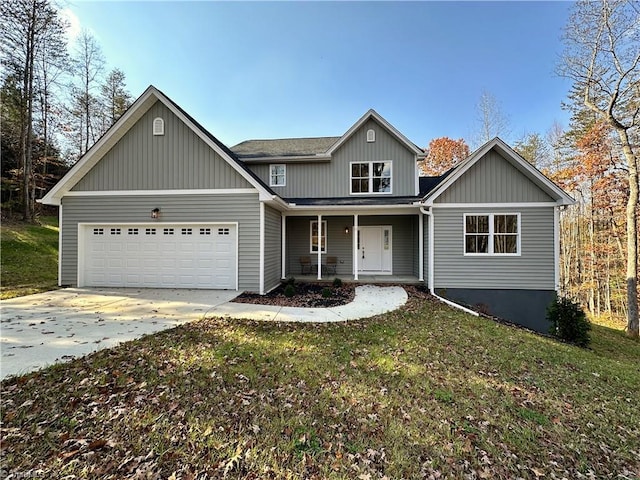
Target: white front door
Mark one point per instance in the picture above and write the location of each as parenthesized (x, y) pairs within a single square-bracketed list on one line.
[(374, 250)]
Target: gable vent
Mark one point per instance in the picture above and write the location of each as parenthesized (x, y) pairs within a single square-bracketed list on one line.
[(158, 126), (371, 135)]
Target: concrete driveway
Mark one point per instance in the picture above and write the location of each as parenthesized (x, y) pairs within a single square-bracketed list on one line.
[(39, 330)]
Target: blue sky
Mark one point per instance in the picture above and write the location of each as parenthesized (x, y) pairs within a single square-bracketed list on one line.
[(294, 69)]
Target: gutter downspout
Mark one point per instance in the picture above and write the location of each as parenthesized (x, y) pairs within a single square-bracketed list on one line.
[(431, 269)]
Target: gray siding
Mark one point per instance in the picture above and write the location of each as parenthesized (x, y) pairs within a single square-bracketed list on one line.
[(404, 242), (179, 159), (532, 270), (272, 248), (243, 209), (493, 179), (332, 179)]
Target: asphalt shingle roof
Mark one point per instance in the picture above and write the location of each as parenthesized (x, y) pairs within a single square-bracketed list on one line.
[(283, 147)]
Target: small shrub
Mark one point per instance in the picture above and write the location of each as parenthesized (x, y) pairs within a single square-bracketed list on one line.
[(290, 281), (569, 322), (326, 292), (289, 290), (337, 282)]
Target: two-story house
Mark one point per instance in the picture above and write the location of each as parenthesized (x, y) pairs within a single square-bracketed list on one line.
[(158, 201)]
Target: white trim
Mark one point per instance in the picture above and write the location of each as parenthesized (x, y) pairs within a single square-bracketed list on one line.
[(556, 248), (284, 174), (371, 135), (376, 116), (421, 247), (512, 157), (371, 177), (496, 205), (491, 234), (262, 234), (158, 126), (356, 232), (60, 246), (191, 191), (305, 210), (432, 242), (283, 241), (120, 128), (322, 230)]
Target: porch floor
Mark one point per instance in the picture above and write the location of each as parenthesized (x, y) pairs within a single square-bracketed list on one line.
[(395, 279)]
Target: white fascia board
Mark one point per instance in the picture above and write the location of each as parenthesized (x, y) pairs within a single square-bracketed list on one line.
[(495, 205), (349, 210), (141, 193), (376, 116), (562, 198), (102, 146)]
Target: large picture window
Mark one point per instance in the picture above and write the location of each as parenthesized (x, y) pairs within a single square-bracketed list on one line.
[(314, 237), (492, 234), (370, 177), (277, 175)]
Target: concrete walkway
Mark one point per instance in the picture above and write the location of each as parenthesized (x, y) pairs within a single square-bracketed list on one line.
[(47, 328), (370, 300)]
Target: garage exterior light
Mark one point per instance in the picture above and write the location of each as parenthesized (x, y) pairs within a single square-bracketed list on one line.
[(155, 213)]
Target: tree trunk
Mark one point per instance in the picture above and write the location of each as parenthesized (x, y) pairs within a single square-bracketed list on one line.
[(633, 326)]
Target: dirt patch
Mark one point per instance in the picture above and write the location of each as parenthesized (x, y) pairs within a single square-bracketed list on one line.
[(306, 295)]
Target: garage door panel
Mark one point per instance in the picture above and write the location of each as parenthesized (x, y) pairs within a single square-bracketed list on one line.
[(172, 256)]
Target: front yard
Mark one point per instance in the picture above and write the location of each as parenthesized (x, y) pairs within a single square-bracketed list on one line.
[(424, 392)]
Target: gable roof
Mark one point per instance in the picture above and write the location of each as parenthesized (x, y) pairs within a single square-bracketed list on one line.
[(124, 124), (372, 114), (284, 147), (510, 155)]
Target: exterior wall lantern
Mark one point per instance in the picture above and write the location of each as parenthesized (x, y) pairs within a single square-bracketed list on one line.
[(346, 230), (155, 213)]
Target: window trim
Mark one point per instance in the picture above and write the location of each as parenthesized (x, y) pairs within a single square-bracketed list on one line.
[(284, 175), (324, 235), (370, 163), (491, 234)]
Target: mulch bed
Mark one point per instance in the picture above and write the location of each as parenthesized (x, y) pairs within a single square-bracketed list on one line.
[(307, 295)]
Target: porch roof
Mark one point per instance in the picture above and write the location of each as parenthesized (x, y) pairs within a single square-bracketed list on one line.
[(355, 201)]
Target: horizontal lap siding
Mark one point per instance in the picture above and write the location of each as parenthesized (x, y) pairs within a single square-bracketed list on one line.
[(332, 179), (179, 159), (493, 180), (272, 248), (243, 209), (533, 269)]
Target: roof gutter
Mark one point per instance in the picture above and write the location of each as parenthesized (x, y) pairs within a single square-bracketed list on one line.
[(429, 213)]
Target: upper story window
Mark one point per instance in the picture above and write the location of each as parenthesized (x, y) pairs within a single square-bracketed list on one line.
[(370, 177), (371, 135), (492, 234), (277, 175)]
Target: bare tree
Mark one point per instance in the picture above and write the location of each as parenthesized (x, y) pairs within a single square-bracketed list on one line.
[(491, 120), (26, 26), (602, 58)]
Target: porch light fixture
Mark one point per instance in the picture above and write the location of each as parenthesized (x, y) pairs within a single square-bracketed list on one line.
[(155, 213), (346, 230)]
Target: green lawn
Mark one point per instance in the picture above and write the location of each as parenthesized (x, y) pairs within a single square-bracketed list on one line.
[(28, 257), (423, 392)]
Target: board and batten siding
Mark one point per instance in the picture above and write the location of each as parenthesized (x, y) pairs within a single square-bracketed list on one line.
[(532, 270), (240, 208), (272, 248), (179, 159), (332, 179), (492, 179)]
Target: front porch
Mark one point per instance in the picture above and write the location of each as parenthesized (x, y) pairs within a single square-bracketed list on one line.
[(363, 248)]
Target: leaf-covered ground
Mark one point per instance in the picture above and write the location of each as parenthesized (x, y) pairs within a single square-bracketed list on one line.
[(310, 295), (424, 392)]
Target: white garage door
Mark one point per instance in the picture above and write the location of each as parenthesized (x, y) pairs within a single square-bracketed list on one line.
[(160, 256)]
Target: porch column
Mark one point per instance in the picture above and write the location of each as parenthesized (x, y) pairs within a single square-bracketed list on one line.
[(283, 254), (319, 247), (355, 247), (421, 246)]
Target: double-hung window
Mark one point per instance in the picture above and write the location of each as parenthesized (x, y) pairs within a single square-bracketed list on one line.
[(314, 237), (492, 234), (277, 175), (370, 177)]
